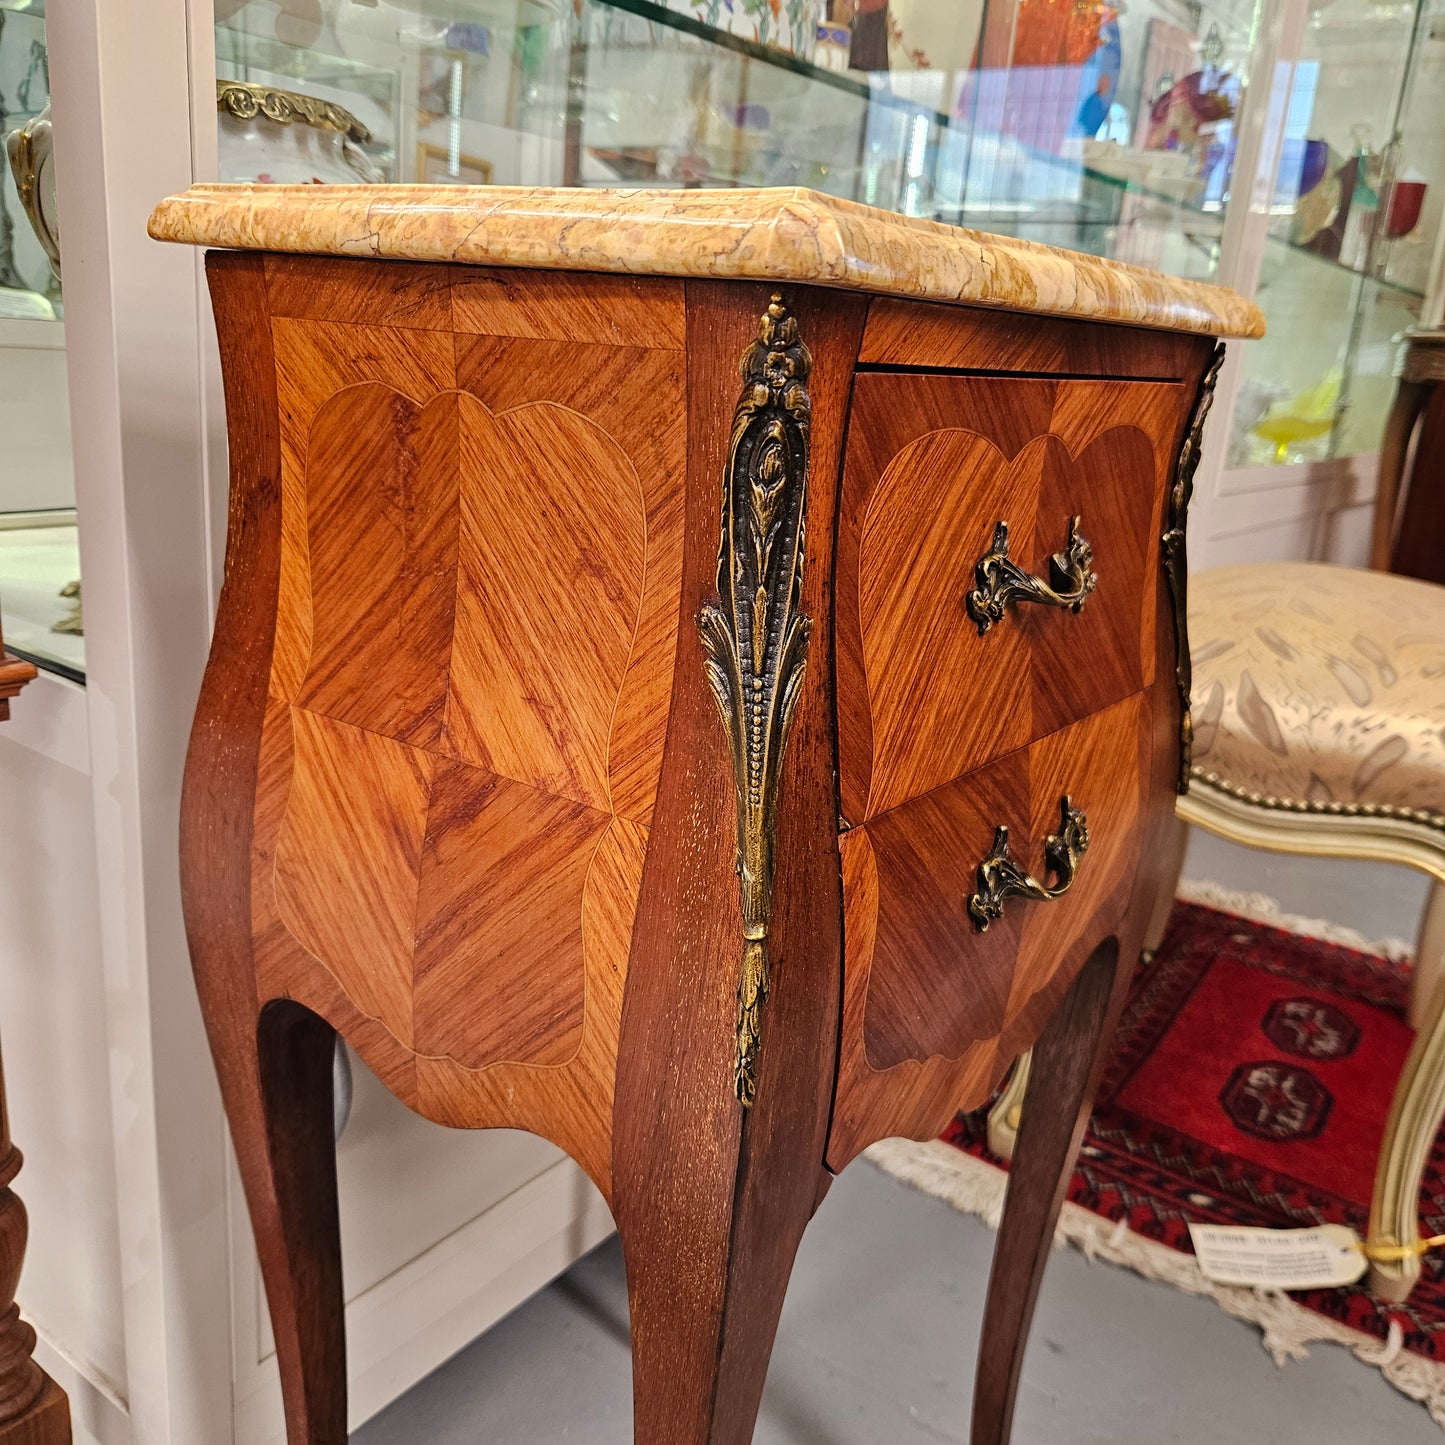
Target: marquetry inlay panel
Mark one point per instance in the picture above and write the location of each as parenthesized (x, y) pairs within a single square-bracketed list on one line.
[(476, 622), (934, 463)]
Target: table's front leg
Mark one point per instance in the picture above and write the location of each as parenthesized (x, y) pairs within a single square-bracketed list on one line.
[(723, 1090), (1069, 1056)]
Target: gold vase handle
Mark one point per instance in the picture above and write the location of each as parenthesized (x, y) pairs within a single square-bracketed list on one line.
[(999, 580), (1000, 877), (30, 152)]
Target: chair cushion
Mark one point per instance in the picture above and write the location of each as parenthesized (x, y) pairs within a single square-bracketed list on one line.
[(1320, 686)]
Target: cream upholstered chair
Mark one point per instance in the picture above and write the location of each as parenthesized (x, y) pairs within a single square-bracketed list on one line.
[(1319, 728)]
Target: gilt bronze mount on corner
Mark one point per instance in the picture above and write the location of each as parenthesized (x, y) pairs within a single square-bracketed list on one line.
[(755, 636), (1000, 877), (1000, 580), (1176, 561)]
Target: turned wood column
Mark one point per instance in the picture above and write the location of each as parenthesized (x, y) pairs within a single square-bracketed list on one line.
[(33, 1408), (15, 672)]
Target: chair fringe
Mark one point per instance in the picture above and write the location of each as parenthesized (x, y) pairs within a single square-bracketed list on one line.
[(1261, 908)]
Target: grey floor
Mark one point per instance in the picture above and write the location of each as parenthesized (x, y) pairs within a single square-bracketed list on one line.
[(876, 1348), (881, 1321)]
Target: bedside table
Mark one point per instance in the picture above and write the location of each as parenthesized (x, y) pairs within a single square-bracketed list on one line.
[(698, 677)]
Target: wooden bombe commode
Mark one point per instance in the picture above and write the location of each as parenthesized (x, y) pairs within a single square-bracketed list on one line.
[(711, 775)]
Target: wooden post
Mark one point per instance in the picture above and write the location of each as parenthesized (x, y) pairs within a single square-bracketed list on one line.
[(33, 1408), (15, 672)]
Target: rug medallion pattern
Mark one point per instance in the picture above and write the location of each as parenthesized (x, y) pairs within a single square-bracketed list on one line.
[(1249, 1084)]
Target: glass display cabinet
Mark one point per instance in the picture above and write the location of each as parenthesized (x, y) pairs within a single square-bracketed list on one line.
[(1351, 233), (40, 614), (1111, 128), (1102, 127)]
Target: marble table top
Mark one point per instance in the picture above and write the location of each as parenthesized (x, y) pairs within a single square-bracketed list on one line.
[(774, 235)]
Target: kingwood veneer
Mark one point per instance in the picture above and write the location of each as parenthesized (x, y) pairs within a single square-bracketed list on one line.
[(656, 762)]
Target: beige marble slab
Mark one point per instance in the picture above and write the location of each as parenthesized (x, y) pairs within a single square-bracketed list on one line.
[(778, 235)]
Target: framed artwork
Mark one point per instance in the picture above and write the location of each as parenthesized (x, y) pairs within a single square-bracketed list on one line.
[(433, 164)]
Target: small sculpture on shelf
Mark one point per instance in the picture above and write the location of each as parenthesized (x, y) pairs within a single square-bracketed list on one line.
[(28, 146), (73, 623), (1303, 417)]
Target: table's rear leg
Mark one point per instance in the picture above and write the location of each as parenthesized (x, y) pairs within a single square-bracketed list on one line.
[(279, 1105), (1066, 1063)]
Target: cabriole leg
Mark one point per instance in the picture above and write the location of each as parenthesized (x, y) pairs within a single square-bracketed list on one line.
[(700, 1356), (279, 1106), (1064, 1074)]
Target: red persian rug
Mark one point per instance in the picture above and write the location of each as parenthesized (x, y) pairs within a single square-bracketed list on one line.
[(1249, 1084)]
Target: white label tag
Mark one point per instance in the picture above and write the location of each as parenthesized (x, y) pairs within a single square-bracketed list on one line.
[(1323, 1257)]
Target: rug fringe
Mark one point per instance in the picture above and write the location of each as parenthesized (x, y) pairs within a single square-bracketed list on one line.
[(1261, 908), (974, 1187)]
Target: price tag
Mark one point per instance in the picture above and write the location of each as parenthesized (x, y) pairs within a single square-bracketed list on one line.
[(1323, 1257)]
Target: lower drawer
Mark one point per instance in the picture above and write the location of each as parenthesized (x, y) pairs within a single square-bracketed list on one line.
[(948, 974)]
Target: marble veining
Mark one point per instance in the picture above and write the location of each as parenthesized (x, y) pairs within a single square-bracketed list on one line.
[(777, 234)]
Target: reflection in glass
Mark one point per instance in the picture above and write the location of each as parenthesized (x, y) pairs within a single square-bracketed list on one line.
[(40, 590), (29, 287), (1100, 125), (40, 613)]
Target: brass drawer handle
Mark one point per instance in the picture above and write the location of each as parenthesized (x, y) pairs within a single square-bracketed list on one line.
[(999, 876), (1000, 580)]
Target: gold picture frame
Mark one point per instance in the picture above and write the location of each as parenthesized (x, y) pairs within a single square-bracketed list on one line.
[(433, 166)]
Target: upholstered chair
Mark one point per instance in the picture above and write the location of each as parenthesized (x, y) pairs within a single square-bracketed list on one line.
[(1318, 699)]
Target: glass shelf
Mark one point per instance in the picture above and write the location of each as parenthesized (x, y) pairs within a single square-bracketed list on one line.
[(775, 59), (39, 559), (1409, 294), (243, 56)]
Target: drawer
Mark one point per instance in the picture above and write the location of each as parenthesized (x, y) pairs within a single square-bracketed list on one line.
[(934, 465), (934, 1008)]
